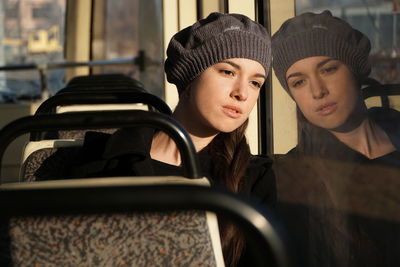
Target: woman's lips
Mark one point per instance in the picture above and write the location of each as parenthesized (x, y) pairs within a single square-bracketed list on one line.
[(326, 109), (232, 111)]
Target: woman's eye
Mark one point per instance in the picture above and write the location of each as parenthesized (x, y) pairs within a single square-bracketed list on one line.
[(297, 83), (227, 72), (329, 69), (256, 84)]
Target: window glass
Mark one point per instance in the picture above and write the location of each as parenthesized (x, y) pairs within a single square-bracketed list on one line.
[(338, 189), (32, 31), (124, 28), (379, 20)]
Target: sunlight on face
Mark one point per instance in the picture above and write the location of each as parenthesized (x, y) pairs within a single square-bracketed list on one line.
[(222, 97)]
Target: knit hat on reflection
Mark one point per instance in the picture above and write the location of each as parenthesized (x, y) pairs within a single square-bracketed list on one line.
[(309, 35), (214, 39)]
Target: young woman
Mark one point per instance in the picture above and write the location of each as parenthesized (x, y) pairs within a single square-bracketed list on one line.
[(343, 149), (219, 65)]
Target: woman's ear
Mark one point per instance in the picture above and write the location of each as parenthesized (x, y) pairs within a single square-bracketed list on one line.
[(185, 94)]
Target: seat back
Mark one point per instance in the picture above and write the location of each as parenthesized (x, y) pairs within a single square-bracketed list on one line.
[(105, 119), (104, 222), (98, 92), (148, 239), (383, 95), (151, 238), (106, 81), (104, 237)]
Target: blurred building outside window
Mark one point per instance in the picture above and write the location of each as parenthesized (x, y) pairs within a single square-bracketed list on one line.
[(32, 31), (122, 29)]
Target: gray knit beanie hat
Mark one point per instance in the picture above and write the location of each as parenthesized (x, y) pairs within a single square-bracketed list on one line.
[(214, 39), (310, 34)]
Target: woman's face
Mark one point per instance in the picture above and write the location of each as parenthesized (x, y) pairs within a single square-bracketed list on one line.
[(325, 90), (222, 97)]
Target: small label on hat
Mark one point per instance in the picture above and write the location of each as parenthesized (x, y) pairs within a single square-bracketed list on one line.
[(319, 26), (232, 28)]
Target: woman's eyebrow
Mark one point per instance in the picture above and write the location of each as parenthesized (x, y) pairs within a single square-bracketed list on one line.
[(323, 62), (320, 64), (294, 75), (233, 64), (236, 66)]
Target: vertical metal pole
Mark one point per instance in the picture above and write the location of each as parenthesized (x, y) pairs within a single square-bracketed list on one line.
[(3, 77), (394, 30), (265, 127), (43, 81)]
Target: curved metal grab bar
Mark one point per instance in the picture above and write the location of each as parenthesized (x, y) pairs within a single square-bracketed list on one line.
[(79, 98), (106, 119)]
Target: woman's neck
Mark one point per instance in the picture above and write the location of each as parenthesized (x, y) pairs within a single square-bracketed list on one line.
[(368, 139), (163, 147)]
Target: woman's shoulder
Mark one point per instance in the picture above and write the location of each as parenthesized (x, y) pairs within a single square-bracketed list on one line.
[(260, 161), (260, 179), (260, 166)]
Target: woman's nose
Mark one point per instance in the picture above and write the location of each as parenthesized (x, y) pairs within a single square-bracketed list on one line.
[(239, 91), (318, 88)]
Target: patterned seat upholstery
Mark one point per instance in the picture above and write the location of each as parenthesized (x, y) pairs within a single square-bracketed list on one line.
[(143, 238), (148, 239), (36, 153)]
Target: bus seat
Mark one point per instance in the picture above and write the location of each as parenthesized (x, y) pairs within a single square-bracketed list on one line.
[(95, 120), (383, 95), (112, 83), (121, 238), (98, 92), (119, 221), (101, 81)]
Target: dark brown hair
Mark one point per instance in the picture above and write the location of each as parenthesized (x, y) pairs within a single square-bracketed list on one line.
[(317, 142), (310, 137), (231, 155)]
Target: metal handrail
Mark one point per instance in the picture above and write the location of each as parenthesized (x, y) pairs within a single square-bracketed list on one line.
[(61, 65), (43, 67), (106, 119), (117, 97), (121, 97)]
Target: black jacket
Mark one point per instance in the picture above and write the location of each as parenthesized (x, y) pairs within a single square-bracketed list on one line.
[(127, 153)]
